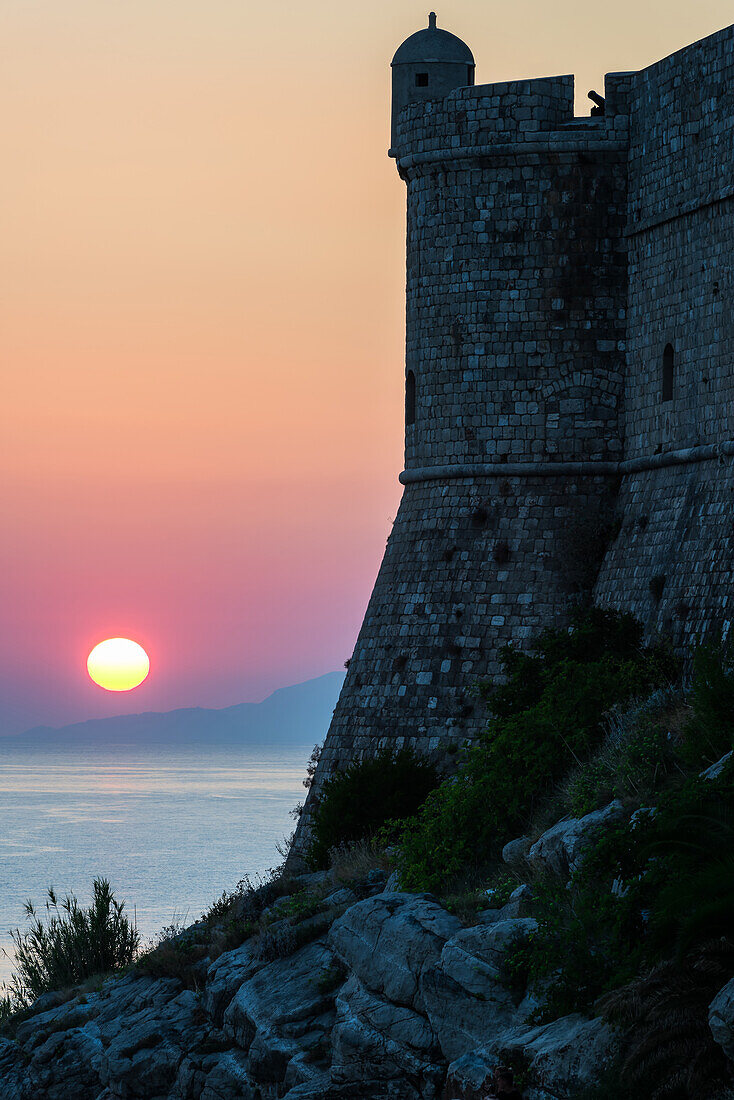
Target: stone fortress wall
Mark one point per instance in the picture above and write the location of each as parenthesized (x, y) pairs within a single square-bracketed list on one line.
[(550, 261), (672, 563)]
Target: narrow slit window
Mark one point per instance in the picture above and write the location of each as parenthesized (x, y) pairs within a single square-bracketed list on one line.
[(421, 80), (409, 398), (668, 372)]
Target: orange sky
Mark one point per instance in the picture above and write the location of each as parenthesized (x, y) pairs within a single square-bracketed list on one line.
[(201, 323)]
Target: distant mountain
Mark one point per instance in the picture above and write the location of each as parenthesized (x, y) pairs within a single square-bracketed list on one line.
[(297, 715)]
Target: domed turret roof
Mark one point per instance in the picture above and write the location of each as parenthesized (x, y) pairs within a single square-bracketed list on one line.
[(433, 44)]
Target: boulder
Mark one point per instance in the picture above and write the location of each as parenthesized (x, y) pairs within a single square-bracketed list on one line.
[(149, 1049), (561, 1057), (228, 1079), (466, 997), (225, 976), (561, 848), (721, 1019), (375, 1040), (470, 1077), (67, 1065), (12, 1071), (389, 940), (515, 852), (282, 1012)]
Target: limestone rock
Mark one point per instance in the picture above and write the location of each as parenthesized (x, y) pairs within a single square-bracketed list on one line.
[(12, 1071), (374, 1040), (226, 974), (562, 847), (228, 1079), (389, 940), (721, 1019), (466, 999), (150, 1046), (515, 852), (562, 1056), (281, 1012)]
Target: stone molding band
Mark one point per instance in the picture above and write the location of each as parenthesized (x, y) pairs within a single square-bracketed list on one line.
[(557, 142), (706, 453)]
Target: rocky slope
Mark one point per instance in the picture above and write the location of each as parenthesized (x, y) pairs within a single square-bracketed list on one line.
[(343, 992)]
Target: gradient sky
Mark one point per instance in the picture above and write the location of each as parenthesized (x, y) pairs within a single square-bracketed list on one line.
[(201, 323)]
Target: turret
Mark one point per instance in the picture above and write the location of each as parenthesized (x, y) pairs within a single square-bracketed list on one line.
[(428, 65)]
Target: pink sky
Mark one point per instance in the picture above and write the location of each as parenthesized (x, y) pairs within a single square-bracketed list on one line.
[(201, 324)]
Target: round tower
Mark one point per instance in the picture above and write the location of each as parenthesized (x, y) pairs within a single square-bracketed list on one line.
[(429, 64)]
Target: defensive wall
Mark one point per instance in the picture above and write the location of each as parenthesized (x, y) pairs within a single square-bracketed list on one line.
[(673, 560), (569, 385)]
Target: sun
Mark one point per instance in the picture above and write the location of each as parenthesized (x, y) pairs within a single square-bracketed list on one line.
[(118, 664)]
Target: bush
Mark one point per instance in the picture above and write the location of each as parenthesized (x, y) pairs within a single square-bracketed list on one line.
[(547, 716), (360, 800), (710, 733), (180, 953), (640, 752), (73, 944)]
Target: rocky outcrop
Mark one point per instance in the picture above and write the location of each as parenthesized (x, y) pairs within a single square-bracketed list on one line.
[(369, 997), (391, 940), (559, 1058), (561, 849)]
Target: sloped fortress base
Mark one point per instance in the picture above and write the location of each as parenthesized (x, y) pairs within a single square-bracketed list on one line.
[(569, 343)]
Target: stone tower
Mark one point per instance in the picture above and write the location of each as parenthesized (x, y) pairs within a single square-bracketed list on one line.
[(516, 295)]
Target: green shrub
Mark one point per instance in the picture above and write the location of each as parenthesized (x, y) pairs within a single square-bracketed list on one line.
[(638, 755), (547, 716), (710, 733), (360, 800), (180, 953), (73, 944)]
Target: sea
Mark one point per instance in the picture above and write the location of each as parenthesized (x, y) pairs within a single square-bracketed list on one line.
[(170, 828)]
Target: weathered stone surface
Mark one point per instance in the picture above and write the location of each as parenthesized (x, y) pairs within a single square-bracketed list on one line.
[(226, 974), (376, 1040), (13, 1071), (721, 1019), (564, 1055), (561, 848), (515, 852), (150, 1048), (228, 1079), (466, 999), (281, 1012), (389, 940)]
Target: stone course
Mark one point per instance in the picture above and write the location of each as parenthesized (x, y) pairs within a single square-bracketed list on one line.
[(550, 260)]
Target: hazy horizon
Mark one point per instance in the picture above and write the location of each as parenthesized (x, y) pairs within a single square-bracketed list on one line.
[(303, 701), (202, 325)]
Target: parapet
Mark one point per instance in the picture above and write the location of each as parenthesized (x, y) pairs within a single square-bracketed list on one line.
[(486, 117)]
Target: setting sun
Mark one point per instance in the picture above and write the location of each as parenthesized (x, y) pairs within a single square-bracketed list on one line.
[(118, 664)]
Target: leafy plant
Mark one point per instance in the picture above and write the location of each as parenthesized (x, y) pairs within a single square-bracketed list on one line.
[(547, 716), (710, 733), (180, 953), (72, 943), (639, 753), (357, 802)]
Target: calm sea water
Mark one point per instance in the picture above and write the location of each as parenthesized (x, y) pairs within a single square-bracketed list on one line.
[(169, 828)]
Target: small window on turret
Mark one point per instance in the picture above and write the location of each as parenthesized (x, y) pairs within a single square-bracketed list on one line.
[(409, 399), (421, 80), (668, 372)]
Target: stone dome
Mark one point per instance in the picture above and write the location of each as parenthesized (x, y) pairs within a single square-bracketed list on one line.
[(433, 45)]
